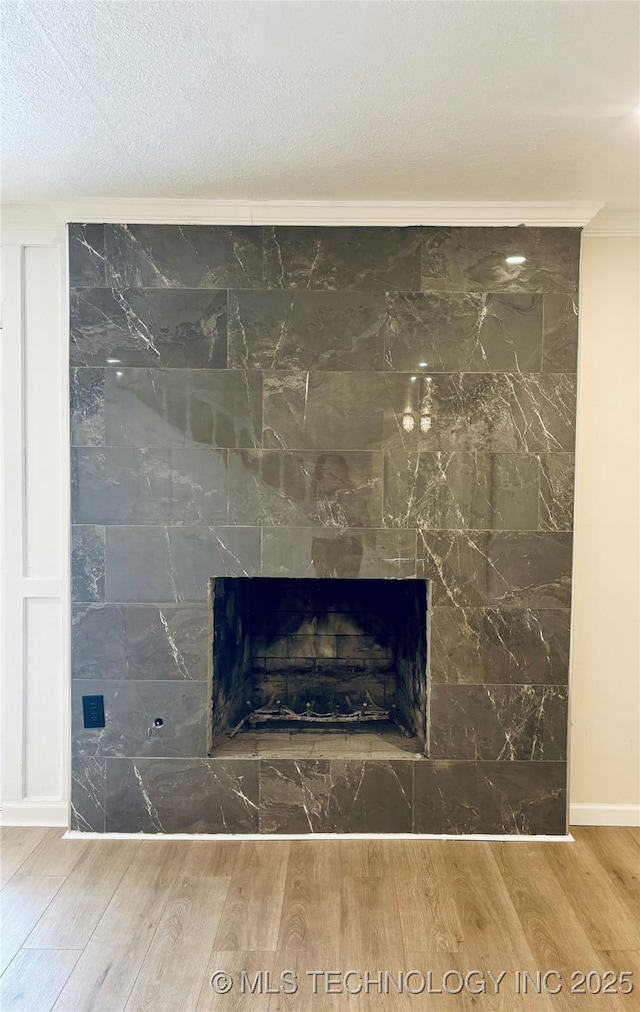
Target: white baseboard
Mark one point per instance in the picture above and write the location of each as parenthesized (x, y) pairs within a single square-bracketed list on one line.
[(34, 813), (604, 815), (76, 834)]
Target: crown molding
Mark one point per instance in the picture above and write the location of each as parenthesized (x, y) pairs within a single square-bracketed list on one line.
[(543, 214), (19, 218), (304, 212), (613, 223)]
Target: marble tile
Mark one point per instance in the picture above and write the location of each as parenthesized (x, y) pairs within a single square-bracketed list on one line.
[(152, 564), (183, 256), (183, 407), (470, 332), (88, 788), (119, 641), (275, 488), (87, 563), (306, 330), (472, 259), (542, 411), (370, 796), (515, 570), (369, 554), (458, 490), (121, 485), (510, 645), (87, 264), (294, 795), (184, 328), (87, 407), (336, 796), (497, 412), (357, 259), (130, 709), (507, 722), (490, 797), (560, 334), (556, 491), (338, 410), (182, 796)]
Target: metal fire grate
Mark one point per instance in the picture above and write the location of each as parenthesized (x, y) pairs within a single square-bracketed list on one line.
[(366, 713)]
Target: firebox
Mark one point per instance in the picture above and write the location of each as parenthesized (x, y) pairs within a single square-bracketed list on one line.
[(335, 656)]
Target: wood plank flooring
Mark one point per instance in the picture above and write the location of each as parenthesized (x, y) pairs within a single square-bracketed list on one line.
[(359, 925)]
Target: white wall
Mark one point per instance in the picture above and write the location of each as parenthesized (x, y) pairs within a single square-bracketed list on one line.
[(605, 698), (605, 707)]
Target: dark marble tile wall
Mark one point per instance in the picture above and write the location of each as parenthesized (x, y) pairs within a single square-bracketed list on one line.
[(237, 402), (306, 796)]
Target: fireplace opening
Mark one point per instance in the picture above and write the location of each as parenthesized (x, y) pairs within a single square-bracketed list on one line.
[(293, 659)]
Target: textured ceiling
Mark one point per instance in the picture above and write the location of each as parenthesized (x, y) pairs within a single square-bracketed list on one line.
[(304, 100)]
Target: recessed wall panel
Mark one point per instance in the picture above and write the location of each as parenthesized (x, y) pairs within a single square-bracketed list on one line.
[(44, 725), (42, 411)]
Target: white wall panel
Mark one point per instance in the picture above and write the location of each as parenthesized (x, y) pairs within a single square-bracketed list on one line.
[(34, 673), (44, 747), (42, 416)]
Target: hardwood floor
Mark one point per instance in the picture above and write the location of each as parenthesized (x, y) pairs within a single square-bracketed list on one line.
[(119, 925)]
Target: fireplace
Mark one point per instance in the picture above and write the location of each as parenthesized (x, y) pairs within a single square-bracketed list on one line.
[(310, 656), (262, 413)]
